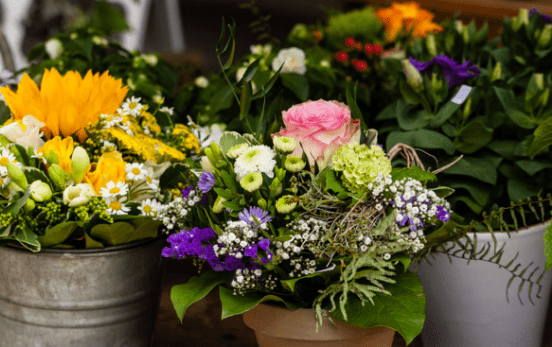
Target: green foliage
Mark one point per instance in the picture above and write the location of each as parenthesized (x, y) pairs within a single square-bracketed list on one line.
[(237, 304), (548, 246), (359, 24)]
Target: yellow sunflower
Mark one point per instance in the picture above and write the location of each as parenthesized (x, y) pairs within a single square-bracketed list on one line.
[(66, 104)]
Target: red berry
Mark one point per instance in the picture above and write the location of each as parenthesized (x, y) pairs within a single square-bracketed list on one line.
[(369, 49), (349, 42), (360, 65), (377, 49), (341, 56)]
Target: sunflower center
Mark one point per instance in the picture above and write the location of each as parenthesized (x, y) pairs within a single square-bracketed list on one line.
[(147, 209), (114, 190), (132, 105), (4, 161), (136, 171), (115, 205)]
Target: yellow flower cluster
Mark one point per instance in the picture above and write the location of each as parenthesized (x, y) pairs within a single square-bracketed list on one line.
[(184, 139), (407, 16), (148, 120)]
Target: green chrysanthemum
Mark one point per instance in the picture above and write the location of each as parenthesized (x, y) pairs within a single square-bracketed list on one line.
[(252, 181), (360, 165), (294, 164), (235, 151), (286, 204), (284, 144)]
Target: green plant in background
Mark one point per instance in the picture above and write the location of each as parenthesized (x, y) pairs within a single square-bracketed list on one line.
[(362, 25)]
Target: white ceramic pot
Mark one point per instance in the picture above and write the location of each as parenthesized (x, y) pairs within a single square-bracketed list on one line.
[(467, 304)]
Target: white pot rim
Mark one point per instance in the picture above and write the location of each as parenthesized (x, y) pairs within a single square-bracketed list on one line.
[(486, 236)]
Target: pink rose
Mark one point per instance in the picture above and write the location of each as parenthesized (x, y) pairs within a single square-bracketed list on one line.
[(321, 127)]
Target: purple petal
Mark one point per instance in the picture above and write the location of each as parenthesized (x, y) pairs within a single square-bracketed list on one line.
[(251, 251), (264, 244), (206, 182)]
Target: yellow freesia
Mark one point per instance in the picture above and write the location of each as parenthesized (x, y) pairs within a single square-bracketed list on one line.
[(407, 16), (110, 167), (66, 104), (63, 150)]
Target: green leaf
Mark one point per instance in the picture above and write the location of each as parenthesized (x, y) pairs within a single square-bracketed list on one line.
[(415, 172), (5, 113), (505, 148), (224, 98), (231, 139), (444, 113), (298, 84), (107, 19), (174, 174), (290, 284), (533, 166), (479, 191), (351, 102), (474, 206), (91, 243), (521, 190), (402, 311), (543, 137), (422, 138), (57, 234), (548, 246), (410, 118), (125, 232), (245, 100), (34, 174), (224, 193), (183, 295), (513, 109), (408, 93), (237, 304), (443, 192), (250, 71), (474, 136), (15, 207), (28, 239), (484, 168)]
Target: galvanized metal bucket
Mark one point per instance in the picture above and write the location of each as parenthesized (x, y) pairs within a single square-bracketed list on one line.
[(80, 298)]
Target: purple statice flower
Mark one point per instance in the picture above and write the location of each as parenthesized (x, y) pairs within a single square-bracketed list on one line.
[(186, 191), (545, 17), (188, 243), (454, 74), (268, 258), (264, 243), (442, 214), (251, 251), (257, 212), (206, 182)]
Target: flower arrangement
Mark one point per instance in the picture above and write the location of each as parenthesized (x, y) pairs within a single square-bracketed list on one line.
[(80, 167), (314, 218)]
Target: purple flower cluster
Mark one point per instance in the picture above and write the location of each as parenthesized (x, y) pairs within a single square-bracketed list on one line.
[(186, 194), (455, 74), (544, 17), (206, 182), (254, 216)]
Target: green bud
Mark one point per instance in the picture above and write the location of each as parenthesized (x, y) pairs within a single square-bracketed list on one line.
[(436, 83), (467, 108), (545, 36), (209, 154), (29, 205), (40, 191), (4, 141), (57, 175), (413, 76), (431, 46), (497, 72), (17, 175), (217, 152), (51, 157), (543, 99), (539, 79), (221, 165), (459, 26), (218, 206), (80, 161), (262, 203), (465, 35)]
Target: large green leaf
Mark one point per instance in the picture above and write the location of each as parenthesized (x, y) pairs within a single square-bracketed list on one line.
[(543, 137), (483, 168), (125, 232), (57, 234), (28, 239), (238, 304), (422, 138), (91, 243), (414, 172), (474, 136), (521, 190), (548, 245), (533, 166), (513, 109), (298, 84), (411, 119), (403, 310), (444, 113), (479, 191), (231, 139), (183, 295)]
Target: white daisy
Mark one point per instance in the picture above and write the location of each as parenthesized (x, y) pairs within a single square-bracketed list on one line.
[(4, 181), (167, 110), (108, 146), (110, 120), (6, 157), (116, 207), (255, 159), (150, 207), (133, 106), (152, 183), (40, 156), (113, 189), (135, 171)]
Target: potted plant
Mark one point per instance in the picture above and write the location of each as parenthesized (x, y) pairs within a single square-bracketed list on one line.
[(83, 186), (463, 94)]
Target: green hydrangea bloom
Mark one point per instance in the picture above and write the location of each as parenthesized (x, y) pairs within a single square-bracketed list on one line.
[(360, 165)]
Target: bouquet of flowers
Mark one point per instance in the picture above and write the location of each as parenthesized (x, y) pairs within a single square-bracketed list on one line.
[(315, 218), (82, 168)]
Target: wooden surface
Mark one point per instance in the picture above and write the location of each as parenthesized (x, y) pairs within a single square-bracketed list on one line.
[(202, 326)]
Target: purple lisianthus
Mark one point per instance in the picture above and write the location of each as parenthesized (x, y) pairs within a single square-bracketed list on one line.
[(442, 214), (454, 74), (206, 182), (545, 17), (253, 213)]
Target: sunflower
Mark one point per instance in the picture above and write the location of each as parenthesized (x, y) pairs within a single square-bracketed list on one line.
[(66, 104)]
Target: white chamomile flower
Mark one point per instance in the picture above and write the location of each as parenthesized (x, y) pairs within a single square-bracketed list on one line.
[(108, 146), (167, 110), (149, 207), (133, 106), (6, 157), (110, 120), (116, 207), (201, 82), (4, 181), (255, 159), (40, 155), (152, 183), (135, 171), (113, 189)]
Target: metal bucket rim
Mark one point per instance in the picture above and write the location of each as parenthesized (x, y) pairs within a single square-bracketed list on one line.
[(92, 251)]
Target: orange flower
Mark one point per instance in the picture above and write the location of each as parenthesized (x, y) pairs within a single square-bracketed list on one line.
[(406, 17), (66, 104), (63, 150), (110, 167)]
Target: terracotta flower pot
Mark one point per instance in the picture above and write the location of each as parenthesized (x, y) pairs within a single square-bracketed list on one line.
[(278, 326)]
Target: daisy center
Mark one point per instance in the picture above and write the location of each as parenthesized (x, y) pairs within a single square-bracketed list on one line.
[(148, 179), (147, 209), (1, 181), (114, 190), (115, 205), (136, 171), (132, 105), (109, 119), (4, 161)]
